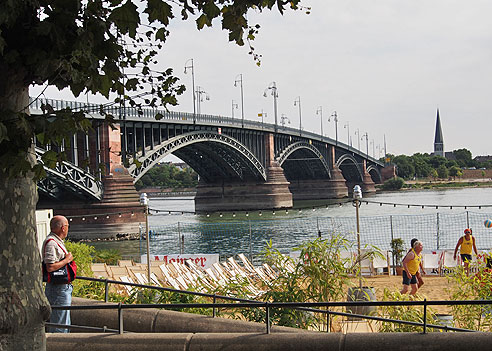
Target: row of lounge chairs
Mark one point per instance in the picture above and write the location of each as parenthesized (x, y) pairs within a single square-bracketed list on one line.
[(188, 275), (184, 276)]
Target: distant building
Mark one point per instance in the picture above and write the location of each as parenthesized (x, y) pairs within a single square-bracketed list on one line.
[(438, 139), (483, 158)]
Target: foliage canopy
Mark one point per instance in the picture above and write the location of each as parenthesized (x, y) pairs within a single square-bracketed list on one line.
[(106, 47)]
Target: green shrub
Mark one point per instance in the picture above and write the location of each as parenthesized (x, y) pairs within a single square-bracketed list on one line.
[(473, 287), (319, 275), (393, 183), (82, 255), (403, 313)]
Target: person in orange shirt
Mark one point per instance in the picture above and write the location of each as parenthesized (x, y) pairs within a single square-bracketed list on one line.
[(466, 243)]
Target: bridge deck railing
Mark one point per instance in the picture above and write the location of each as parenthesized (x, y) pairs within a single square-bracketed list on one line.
[(134, 114)]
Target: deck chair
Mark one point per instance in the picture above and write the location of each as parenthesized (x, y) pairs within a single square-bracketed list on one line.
[(213, 277), (232, 262), (169, 280), (124, 263), (117, 271), (256, 273), (141, 278), (155, 270), (200, 275), (431, 262), (269, 271), (127, 279), (378, 262), (448, 262), (137, 275), (100, 270)]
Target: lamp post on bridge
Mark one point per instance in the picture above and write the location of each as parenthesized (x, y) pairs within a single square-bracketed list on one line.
[(335, 119), (284, 118), (358, 138), (273, 88), (240, 81), (297, 102), (319, 112), (367, 142), (347, 125), (193, 85), (262, 115), (200, 93), (234, 106)]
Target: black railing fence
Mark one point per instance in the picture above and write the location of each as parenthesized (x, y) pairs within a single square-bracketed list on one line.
[(245, 303)]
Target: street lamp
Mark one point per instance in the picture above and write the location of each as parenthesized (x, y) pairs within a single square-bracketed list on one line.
[(297, 102), (200, 93), (347, 125), (262, 114), (319, 112), (358, 138), (240, 81), (367, 142), (357, 196), (284, 118), (273, 88), (144, 201), (234, 106), (193, 85), (335, 119)]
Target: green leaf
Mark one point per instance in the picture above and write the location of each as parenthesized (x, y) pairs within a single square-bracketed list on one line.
[(49, 158), (126, 18), (202, 21), (159, 10), (211, 10)]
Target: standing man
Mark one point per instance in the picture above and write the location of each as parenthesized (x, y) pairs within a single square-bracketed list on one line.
[(55, 256), (411, 266), (466, 243)]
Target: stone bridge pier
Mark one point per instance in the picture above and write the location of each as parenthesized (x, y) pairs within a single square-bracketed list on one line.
[(249, 195)]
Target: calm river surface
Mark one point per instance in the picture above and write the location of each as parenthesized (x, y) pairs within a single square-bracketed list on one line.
[(167, 224)]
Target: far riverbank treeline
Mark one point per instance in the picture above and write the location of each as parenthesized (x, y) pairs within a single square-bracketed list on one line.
[(168, 175), (432, 166)]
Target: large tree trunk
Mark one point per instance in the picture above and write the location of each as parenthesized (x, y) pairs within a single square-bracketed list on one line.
[(23, 305)]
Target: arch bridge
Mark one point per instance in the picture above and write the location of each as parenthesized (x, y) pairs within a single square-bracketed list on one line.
[(243, 165)]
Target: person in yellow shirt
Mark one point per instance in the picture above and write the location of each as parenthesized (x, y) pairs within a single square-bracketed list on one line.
[(411, 266), (466, 243)]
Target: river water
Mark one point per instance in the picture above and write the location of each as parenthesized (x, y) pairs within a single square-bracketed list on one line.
[(437, 217)]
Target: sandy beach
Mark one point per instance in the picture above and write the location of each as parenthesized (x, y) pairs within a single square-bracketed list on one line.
[(434, 288)]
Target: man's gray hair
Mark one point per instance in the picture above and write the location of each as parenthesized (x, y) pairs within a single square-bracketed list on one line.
[(57, 222)]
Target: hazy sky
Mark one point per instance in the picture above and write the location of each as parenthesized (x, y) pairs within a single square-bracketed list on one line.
[(385, 66)]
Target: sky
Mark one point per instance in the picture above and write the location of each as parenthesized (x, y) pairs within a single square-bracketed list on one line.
[(385, 67)]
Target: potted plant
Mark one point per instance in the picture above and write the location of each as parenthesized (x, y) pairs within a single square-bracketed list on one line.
[(397, 249)]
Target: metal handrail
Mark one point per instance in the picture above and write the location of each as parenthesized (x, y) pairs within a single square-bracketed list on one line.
[(245, 303)]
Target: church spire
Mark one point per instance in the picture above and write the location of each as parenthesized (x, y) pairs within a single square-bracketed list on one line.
[(438, 139)]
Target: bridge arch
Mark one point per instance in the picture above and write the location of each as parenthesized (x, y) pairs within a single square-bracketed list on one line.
[(375, 174), (351, 170), (298, 162), (212, 155)]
